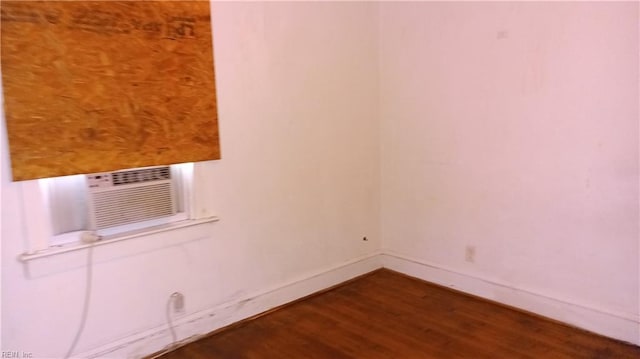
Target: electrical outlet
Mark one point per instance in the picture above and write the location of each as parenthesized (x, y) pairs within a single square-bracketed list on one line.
[(178, 302), (470, 254)]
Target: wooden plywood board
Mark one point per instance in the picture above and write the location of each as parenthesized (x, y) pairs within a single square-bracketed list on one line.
[(93, 86)]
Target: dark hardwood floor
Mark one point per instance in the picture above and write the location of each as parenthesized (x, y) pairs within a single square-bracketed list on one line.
[(388, 315)]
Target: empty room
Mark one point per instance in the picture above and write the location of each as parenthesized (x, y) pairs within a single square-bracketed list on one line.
[(317, 179)]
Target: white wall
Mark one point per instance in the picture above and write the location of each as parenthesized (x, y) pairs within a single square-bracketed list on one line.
[(513, 128), (296, 190)]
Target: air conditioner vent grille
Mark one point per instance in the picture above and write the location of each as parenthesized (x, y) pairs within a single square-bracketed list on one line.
[(133, 204), (141, 175)]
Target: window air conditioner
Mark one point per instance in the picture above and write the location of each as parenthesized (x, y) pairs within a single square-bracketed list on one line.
[(130, 196)]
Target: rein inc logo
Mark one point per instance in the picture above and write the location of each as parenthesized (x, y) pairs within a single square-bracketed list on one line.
[(16, 354)]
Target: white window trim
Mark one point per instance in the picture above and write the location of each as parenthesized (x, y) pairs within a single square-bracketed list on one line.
[(39, 230)]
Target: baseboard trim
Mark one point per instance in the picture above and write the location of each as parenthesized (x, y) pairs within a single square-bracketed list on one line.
[(196, 325), (614, 325)]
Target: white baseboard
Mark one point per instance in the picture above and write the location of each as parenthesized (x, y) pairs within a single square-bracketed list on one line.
[(623, 327), (193, 326)]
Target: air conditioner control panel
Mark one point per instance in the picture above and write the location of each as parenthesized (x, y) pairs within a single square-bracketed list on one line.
[(99, 180)]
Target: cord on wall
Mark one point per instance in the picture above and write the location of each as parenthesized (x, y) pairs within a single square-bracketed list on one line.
[(87, 300), (175, 301), (172, 297)]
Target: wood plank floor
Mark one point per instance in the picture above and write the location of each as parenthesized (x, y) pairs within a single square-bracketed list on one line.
[(388, 315)]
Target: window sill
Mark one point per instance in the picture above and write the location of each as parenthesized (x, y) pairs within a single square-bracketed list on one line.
[(77, 246)]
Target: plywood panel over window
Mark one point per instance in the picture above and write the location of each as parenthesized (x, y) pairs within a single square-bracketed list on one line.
[(93, 86)]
